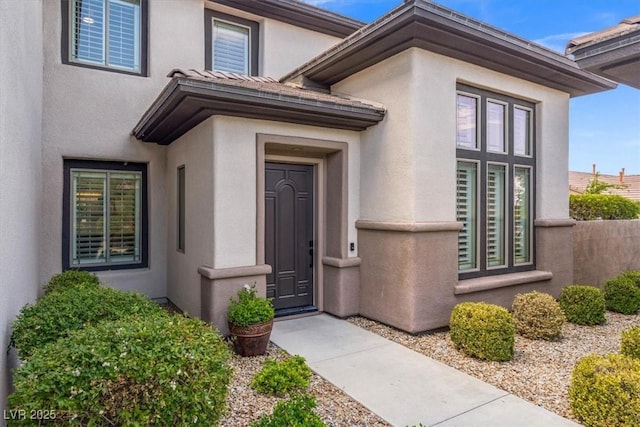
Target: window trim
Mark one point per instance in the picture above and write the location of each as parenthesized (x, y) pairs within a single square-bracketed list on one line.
[(66, 40), (181, 208), (511, 161), (67, 227), (254, 38), (479, 110), (478, 225)]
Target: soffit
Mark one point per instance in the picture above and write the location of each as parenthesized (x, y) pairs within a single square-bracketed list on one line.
[(432, 27), (299, 14), (193, 96)]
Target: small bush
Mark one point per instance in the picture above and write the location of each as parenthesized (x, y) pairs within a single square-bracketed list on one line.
[(589, 207), (297, 412), (482, 330), (622, 295), (58, 313), (605, 391), (630, 345), (154, 370), (280, 378), (249, 308), (583, 305), (70, 278), (538, 316), (633, 275)]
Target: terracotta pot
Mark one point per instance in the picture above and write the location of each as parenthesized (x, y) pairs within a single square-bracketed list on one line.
[(251, 340)]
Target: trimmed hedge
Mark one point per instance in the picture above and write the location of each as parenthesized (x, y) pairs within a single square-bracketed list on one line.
[(63, 311), (280, 378), (70, 278), (605, 391), (297, 412), (143, 370), (633, 275), (630, 345), (622, 295), (538, 316), (583, 305), (589, 207), (482, 330)]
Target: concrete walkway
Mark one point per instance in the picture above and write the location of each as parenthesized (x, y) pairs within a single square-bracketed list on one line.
[(403, 387)]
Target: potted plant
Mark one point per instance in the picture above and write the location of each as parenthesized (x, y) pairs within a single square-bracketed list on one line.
[(250, 319)]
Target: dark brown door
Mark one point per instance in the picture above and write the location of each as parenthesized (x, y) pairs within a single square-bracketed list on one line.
[(289, 236)]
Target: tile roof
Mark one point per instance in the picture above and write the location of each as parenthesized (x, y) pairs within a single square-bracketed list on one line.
[(629, 187), (270, 86), (625, 27)]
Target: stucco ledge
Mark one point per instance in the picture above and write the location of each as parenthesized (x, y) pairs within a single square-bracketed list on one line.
[(225, 273), (493, 282)]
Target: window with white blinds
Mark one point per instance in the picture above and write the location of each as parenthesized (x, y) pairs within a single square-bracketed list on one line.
[(231, 50), (106, 33), (495, 179), (466, 206), (495, 216), (104, 215)]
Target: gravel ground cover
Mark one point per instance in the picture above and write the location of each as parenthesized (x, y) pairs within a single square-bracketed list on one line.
[(246, 405), (539, 372)]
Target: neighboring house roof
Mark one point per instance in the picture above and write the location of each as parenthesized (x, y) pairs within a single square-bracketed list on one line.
[(298, 13), (192, 96), (613, 52), (629, 185), (422, 24)]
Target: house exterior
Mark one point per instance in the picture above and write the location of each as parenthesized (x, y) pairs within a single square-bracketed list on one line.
[(613, 53), (391, 169), (622, 184)]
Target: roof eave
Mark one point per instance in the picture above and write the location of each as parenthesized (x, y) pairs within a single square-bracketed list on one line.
[(299, 14), (432, 27), (184, 103)]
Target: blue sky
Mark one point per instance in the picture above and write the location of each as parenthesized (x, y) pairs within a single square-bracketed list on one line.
[(605, 127)]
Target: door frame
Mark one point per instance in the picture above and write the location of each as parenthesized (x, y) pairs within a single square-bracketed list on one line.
[(318, 214), (331, 229)]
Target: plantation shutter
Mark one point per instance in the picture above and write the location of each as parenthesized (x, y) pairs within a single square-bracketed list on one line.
[(89, 210), (495, 215), (106, 217), (466, 191), (88, 37), (521, 215), (124, 217), (124, 34), (230, 48)]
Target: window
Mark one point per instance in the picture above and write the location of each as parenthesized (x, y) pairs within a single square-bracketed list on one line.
[(181, 207), (231, 43), (494, 177), (104, 215), (105, 34)]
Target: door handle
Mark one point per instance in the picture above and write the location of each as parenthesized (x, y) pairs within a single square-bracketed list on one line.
[(310, 253)]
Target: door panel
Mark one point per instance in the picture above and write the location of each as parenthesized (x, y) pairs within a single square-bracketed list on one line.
[(289, 241)]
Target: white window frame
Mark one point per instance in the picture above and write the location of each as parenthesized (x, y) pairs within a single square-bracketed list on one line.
[(530, 225), (529, 148), (478, 132), (476, 202), (248, 46)]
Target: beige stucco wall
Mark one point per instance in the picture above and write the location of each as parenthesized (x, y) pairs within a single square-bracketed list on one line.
[(220, 159), (194, 150), (410, 157), (20, 142), (604, 249)]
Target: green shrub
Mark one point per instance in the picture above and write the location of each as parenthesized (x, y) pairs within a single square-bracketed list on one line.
[(70, 278), (280, 378), (58, 313), (605, 391), (297, 412), (538, 316), (583, 305), (622, 295), (630, 345), (142, 370), (633, 275), (589, 207), (249, 308), (482, 330)]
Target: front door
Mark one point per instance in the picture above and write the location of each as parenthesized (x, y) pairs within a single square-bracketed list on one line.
[(289, 234)]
